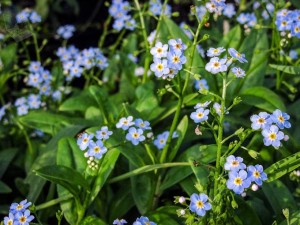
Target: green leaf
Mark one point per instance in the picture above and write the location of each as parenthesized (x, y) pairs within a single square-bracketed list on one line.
[(6, 156), (199, 153), (296, 3), (245, 211), (294, 219), (165, 215), (4, 189), (8, 56), (91, 220), (283, 167), (279, 196), (295, 70), (181, 131), (47, 157), (106, 167), (232, 38), (262, 98), (64, 176), (79, 102)]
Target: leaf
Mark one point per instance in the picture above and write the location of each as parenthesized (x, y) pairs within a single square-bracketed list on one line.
[(232, 38), (295, 70), (279, 196), (79, 102), (64, 176), (200, 153), (105, 168), (8, 56), (245, 211), (181, 131), (4, 189), (165, 215), (92, 220), (6, 156), (283, 167), (262, 98), (294, 219)]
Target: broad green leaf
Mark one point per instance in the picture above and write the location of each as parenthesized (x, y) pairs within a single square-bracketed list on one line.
[(283, 167), (69, 154), (105, 168), (8, 55), (262, 98), (91, 220), (47, 157), (79, 102), (181, 131), (188, 185), (261, 208), (295, 70), (245, 211), (64, 176), (279, 196), (232, 38), (6, 156), (165, 215), (294, 219), (121, 203), (200, 153), (4, 188)]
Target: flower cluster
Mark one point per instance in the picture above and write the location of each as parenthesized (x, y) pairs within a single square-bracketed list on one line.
[(66, 31), (241, 177), (19, 214), (75, 61), (96, 148), (247, 19), (201, 113), (119, 222), (28, 15), (270, 125), (24, 104), (168, 58), (143, 221), (39, 78), (288, 21), (162, 138), (135, 129), (119, 10), (156, 8), (215, 6), (217, 65)]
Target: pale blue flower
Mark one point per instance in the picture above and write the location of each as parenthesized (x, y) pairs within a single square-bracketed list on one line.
[(200, 115), (103, 133), (234, 163), (238, 181), (96, 149), (199, 204), (281, 119), (135, 135), (256, 173), (272, 136)]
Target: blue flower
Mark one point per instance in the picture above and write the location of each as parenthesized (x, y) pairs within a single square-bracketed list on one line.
[(200, 115), (213, 52), (216, 65), (177, 46), (159, 50), (293, 54), (23, 16), (34, 17), (119, 222), (103, 133), (143, 221), (160, 67), (176, 60), (272, 136), (66, 31), (135, 135), (256, 173), (35, 67), (235, 54), (201, 85), (84, 140), (229, 10), (125, 123), (202, 105), (260, 121), (96, 149), (234, 163), (238, 181), (22, 110), (199, 204), (9, 220), (23, 218), (281, 119), (161, 140), (144, 125), (238, 72), (34, 101), (19, 207)]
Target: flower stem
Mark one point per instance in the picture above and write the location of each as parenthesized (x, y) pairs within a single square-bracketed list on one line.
[(53, 202), (35, 42)]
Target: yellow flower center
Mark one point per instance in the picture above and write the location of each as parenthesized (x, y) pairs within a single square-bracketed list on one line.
[(256, 174), (176, 59), (200, 114), (85, 140), (159, 50), (281, 119), (20, 206), (160, 67), (10, 222), (216, 64), (272, 136), (178, 46), (96, 149), (235, 163), (200, 204), (261, 120), (22, 219), (238, 181), (135, 135)]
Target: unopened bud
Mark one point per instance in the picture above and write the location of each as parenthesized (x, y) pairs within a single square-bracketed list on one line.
[(181, 200)]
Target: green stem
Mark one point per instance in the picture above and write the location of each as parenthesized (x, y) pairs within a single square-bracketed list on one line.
[(146, 169), (30, 148), (220, 137), (144, 32), (119, 39), (53, 202), (104, 34), (35, 42)]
